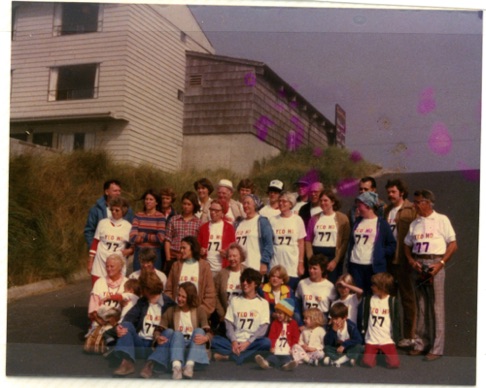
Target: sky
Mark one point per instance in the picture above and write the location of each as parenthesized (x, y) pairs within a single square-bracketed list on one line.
[(409, 80)]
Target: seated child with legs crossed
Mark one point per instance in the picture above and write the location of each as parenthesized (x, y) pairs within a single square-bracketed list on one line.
[(381, 319), (284, 333), (342, 342), (310, 348)]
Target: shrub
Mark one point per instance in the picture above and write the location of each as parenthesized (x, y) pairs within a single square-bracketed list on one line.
[(50, 195)]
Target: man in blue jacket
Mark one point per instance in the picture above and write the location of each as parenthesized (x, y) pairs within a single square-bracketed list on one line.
[(111, 189)]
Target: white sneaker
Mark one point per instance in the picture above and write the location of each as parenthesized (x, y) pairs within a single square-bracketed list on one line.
[(262, 363), (326, 361), (406, 343), (188, 371), (315, 362), (337, 365), (177, 373)]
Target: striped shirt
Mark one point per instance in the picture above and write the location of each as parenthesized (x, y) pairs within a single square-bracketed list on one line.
[(148, 230)]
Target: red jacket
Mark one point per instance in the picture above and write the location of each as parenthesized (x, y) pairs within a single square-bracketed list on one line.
[(293, 332), (229, 236)]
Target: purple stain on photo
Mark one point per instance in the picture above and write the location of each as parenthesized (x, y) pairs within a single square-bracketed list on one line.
[(468, 173), (347, 187), (427, 101), (440, 141), (293, 104), (355, 157), (279, 106), (250, 79), (311, 176), (262, 125)]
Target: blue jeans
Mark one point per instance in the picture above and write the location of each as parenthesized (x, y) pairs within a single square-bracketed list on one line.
[(278, 361), (223, 346), (179, 345), (131, 345)]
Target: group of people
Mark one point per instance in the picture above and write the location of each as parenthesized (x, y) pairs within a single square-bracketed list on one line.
[(288, 282)]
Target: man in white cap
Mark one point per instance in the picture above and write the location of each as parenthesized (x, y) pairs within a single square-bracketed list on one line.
[(272, 209), (225, 191)]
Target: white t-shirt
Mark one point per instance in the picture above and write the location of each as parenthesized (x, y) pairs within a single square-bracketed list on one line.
[(247, 237), (364, 240), (287, 233), (430, 235), (215, 245), (282, 346), (325, 231), (233, 288), (352, 303), (102, 290), (313, 337), (392, 220), (129, 300), (113, 237), (185, 324), (247, 315), (343, 334), (190, 273), (151, 321), (315, 210), (379, 330), (268, 211), (316, 294), (297, 207)]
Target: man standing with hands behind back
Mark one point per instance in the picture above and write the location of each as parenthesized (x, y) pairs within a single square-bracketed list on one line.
[(429, 245), (400, 213)]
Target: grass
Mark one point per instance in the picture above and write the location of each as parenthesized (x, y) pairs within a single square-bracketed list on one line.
[(50, 195)]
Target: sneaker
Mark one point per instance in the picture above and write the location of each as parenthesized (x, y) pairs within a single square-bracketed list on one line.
[(315, 362), (188, 371), (177, 373), (326, 361), (336, 364), (352, 362), (291, 365), (262, 363), (405, 343), (220, 357)]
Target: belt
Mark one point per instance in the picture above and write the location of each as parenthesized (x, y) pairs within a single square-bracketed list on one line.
[(427, 257)]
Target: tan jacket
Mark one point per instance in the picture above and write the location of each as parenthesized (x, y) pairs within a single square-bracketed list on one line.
[(405, 215), (205, 288)]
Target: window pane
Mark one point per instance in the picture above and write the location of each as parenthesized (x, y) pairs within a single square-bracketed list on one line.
[(78, 141), (43, 139), (78, 18), (76, 82)]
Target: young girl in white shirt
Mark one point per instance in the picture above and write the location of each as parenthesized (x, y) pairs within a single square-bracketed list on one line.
[(310, 348), (349, 295)]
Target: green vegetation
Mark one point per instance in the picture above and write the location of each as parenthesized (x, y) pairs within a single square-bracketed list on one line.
[(50, 195)]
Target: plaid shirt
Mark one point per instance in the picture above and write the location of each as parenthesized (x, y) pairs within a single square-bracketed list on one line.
[(177, 229)]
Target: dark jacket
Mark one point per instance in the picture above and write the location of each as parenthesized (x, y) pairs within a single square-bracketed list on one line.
[(355, 338), (137, 313)]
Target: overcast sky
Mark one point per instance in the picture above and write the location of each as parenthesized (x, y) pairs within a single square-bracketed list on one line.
[(409, 81)]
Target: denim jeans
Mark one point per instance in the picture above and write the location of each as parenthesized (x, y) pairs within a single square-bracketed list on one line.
[(132, 345), (223, 346)]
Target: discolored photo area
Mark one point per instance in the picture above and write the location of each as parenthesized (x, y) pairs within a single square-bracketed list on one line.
[(160, 95)]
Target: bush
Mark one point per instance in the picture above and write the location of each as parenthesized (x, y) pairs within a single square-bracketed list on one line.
[(50, 196)]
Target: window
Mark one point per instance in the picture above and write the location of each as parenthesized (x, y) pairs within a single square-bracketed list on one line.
[(77, 18), (78, 141), (180, 95), (76, 82), (195, 80), (43, 139)]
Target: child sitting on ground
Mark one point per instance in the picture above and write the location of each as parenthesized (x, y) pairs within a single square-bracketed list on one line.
[(310, 348), (349, 295), (130, 296), (382, 322), (284, 333), (342, 342)]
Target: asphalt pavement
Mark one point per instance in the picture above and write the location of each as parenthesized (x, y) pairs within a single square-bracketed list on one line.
[(45, 332)]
